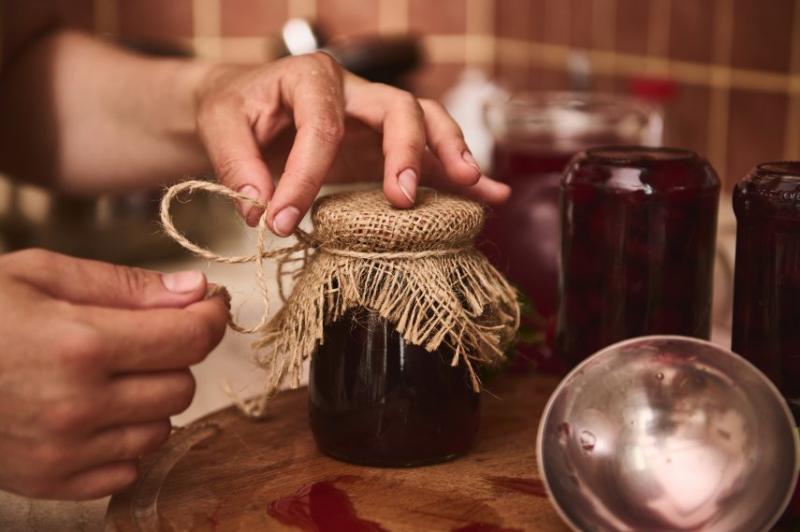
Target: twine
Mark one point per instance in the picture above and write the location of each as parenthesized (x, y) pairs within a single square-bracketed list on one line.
[(305, 242), (416, 268)]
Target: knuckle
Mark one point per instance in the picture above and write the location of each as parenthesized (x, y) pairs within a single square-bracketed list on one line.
[(36, 257), (398, 96), (377, 86), (329, 128), (414, 145), (327, 61), (447, 125), (218, 107), (228, 168), (82, 348), (129, 280), (49, 455), (21, 262), (407, 100), (67, 417), (432, 104), (304, 188)]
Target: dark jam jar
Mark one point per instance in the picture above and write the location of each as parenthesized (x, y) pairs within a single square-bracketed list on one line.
[(535, 136), (637, 247), (377, 400), (766, 308)]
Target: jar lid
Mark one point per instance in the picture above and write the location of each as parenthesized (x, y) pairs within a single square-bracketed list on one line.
[(365, 221)]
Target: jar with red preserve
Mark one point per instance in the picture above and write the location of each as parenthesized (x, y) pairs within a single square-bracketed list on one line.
[(638, 238), (407, 314), (766, 314), (376, 399), (535, 136)]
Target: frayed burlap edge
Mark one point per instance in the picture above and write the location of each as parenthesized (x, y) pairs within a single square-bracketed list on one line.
[(453, 298)]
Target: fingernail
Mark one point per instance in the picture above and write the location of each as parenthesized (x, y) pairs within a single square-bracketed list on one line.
[(245, 207), (182, 282), (407, 180), (285, 221), (470, 160)]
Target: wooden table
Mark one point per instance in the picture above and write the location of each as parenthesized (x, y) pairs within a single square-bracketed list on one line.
[(226, 472)]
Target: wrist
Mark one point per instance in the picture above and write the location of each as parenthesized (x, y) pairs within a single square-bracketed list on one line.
[(183, 80)]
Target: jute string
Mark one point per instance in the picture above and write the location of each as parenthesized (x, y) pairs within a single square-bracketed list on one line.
[(416, 268)]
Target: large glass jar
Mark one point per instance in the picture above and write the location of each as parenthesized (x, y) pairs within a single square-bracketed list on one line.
[(766, 309), (535, 136), (637, 248), (377, 400)]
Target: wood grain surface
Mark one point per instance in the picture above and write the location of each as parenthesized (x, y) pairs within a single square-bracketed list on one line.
[(226, 472)]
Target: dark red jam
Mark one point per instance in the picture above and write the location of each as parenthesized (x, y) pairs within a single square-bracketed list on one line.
[(766, 309), (376, 400), (637, 247)]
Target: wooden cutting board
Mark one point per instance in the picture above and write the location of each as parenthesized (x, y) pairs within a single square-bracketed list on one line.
[(226, 472)]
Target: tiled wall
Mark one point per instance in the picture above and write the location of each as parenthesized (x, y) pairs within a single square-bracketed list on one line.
[(735, 63)]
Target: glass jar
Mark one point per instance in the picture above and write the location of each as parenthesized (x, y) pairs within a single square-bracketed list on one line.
[(377, 400), (766, 308), (535, 136), (637, 248)]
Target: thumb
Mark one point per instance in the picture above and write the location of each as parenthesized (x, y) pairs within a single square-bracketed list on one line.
[(89, 282)]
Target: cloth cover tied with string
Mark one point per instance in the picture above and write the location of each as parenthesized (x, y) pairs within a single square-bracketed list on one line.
[(416, 268)]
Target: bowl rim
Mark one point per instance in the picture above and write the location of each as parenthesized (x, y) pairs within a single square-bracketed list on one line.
[(661, 337)]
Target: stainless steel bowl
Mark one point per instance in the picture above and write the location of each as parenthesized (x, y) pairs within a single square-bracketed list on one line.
[(667, 433)]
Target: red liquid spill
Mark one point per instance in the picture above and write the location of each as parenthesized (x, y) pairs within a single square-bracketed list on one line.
[(321, 507), (528, 486), (484, 527)]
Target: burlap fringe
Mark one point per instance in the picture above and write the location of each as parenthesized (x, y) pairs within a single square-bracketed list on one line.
[(456, 299)]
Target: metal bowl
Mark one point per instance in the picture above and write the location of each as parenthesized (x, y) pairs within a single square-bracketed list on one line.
[(667, 433)]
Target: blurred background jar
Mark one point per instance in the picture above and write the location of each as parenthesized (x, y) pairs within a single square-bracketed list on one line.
[(535, 136), (638, 247), (767, 278)]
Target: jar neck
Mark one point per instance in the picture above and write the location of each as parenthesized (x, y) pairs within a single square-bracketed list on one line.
[(771, 190)]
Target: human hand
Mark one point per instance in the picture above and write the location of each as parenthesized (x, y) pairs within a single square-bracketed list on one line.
[(241, 110), (94, 359)]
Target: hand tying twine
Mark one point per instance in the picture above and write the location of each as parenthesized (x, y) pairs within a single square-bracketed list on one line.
[(415, 268), (306, 242)]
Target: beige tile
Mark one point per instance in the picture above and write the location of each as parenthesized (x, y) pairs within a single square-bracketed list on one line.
[(245, 18)]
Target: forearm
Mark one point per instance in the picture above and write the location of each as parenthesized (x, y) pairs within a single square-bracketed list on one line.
[(83, 116)]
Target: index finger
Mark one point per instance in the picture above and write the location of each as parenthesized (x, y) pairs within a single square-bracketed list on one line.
[(318, 108), (236, 158), (159, 339)]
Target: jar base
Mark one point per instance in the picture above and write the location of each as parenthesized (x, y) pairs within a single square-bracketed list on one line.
[(390, 463)]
